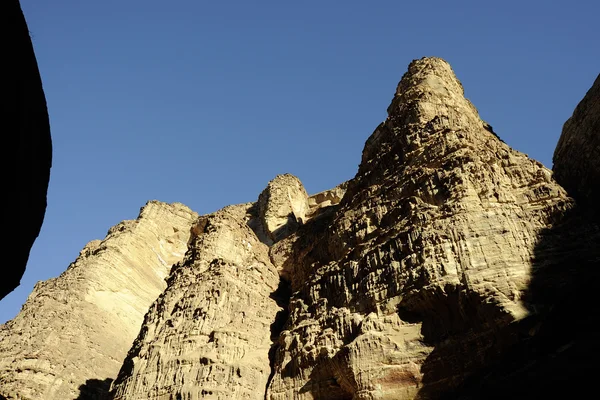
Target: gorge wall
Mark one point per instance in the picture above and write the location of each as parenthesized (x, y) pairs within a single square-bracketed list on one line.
[(450, 266)]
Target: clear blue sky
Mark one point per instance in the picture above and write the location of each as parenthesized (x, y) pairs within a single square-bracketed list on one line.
[(203, 102)]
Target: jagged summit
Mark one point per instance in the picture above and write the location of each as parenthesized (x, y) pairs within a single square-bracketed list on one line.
[(429, 100)]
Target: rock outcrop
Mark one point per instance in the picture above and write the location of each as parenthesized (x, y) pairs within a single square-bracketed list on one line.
[(561, 346), (577, 155), (283, 206), (209, 334), (425, 260), (28, 115), (74, 331), (450, 266)]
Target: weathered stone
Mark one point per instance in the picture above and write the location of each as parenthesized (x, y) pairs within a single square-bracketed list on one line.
[(577, 155), (209, 334), (74, 331), (451, 267), (560, 344), (27, 120), (327, 198), (283, 206), (428, 254)]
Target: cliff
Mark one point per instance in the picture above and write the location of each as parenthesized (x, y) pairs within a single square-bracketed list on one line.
[(74, 330), (450, 267), (417, 278)]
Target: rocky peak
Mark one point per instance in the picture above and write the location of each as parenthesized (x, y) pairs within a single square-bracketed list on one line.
[(412, 267), (428, 96), (283, 206)]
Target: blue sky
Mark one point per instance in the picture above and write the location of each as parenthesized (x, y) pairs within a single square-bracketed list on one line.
[(204, 102)]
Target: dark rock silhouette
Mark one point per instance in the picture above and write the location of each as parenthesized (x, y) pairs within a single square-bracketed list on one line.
[(29, 116), (95, 389)]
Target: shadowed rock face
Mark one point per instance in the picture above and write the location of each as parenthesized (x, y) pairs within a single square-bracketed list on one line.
[(561, 346), (577, 155), (29, 116)]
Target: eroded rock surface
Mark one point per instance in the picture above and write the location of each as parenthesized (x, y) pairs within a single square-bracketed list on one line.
[(283, 206), (74, 330), (209, 334), (577, 155), (445, 269), (424, 260)]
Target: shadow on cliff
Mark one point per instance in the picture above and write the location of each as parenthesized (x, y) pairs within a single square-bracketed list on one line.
[(282, 296), (553, 352), (95, 389)]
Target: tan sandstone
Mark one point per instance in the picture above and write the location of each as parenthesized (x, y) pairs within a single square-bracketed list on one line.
[(424, 260), (74, 331), (209, 334), (450, 266)]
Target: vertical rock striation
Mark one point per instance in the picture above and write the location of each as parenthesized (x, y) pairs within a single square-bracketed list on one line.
[(74, 331), (209, 335), (561, 346), (425, 259)]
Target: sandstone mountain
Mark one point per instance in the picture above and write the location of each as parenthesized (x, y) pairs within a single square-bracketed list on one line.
[(450, 266)]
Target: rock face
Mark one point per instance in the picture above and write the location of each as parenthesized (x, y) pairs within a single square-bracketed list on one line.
[(29, 116), (209, 334), (74, 331), (577, 155), (450, 266), (426, 258), (282, 206), (561, 346)]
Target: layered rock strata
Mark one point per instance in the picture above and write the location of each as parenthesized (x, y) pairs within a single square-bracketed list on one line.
[(28, 121), (74, 331), (209, 334), (425, 259), (564, 347), (577, 155)]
